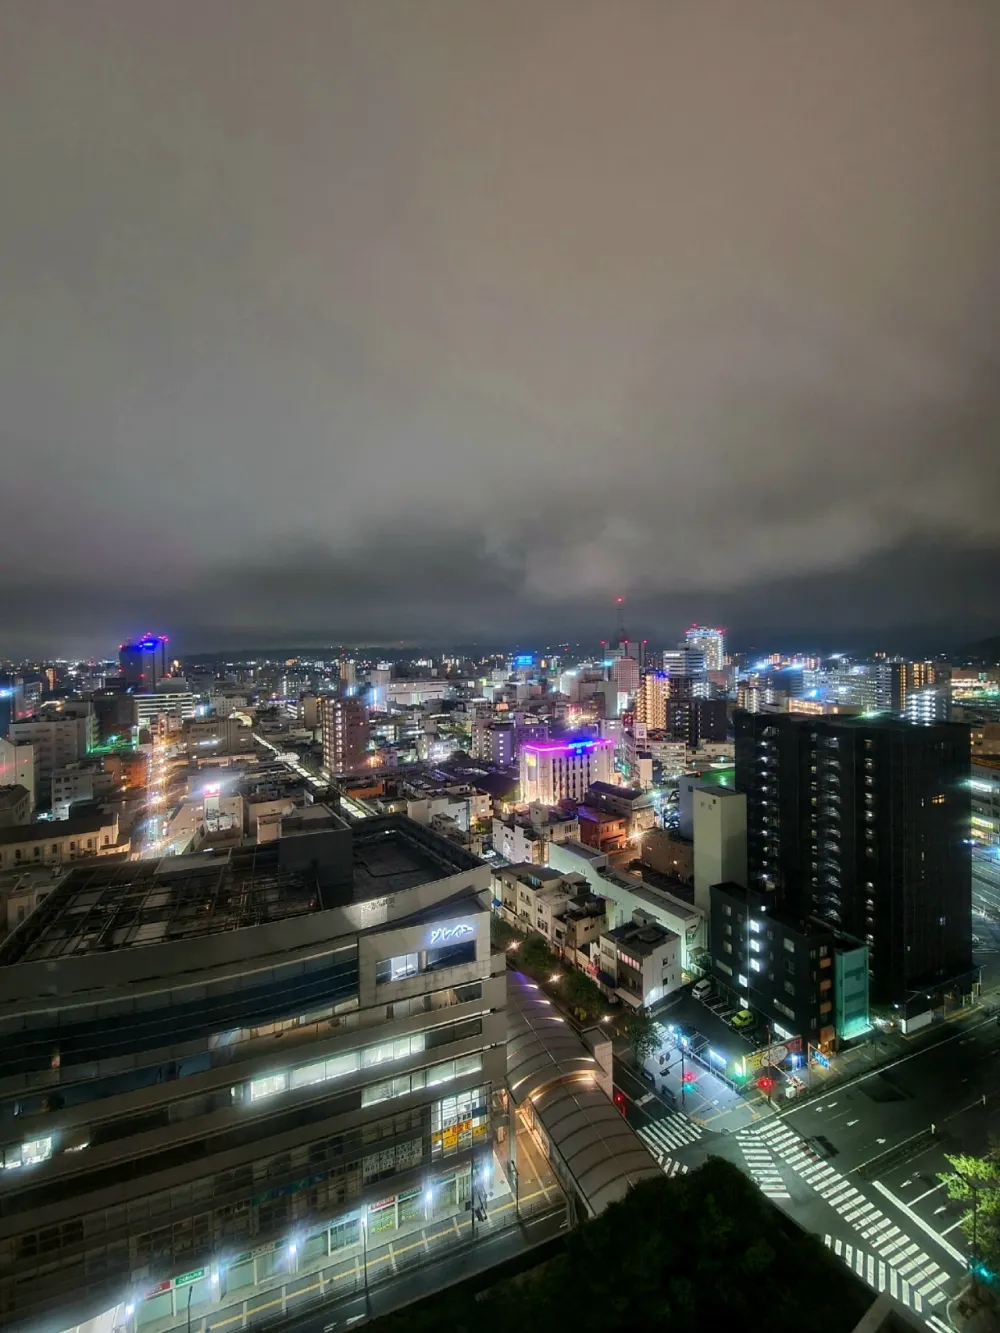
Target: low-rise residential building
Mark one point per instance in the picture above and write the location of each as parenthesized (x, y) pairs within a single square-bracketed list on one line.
[(532, 897), (17, 767), (668, 853), (516, 840), (559, 825), (640, 962), (600, 829), (626, 894), (52, 841), (85, 780), (632, 805), (15, 805)]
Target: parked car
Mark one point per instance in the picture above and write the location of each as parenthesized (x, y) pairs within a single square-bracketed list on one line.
[(742, 1020), (702, 989)]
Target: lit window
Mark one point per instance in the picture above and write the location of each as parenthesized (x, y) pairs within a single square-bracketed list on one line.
[(267, 1087)]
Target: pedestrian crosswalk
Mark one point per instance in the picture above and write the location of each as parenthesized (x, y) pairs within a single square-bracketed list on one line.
[(762, 1167), (672, 1132), (672, 1168), (876, 1273), (895, 1252)]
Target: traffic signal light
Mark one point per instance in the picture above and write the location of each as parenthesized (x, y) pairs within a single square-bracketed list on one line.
[(620, 1101), (689, 1076), (766, 1084)]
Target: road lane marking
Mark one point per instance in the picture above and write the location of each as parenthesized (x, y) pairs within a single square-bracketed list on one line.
[(919, 1221)]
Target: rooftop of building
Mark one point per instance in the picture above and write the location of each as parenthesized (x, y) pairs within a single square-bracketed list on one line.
[(585, 904), (650, 894), (723, 776), (619, 793), (642, 938), (12, 795), (319, 862), (56, 828), (567, 746), (588, 815), (528, 873)]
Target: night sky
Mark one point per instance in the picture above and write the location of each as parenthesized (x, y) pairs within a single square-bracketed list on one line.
[(375, 320)]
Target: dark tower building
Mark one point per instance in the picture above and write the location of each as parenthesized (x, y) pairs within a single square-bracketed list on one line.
[(144, 662), (864, 823)]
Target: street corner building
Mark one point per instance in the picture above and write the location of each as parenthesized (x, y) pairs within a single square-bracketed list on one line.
[(219, 1071)]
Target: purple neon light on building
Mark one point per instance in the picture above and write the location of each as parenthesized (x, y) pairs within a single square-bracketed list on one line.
[(564, 771)]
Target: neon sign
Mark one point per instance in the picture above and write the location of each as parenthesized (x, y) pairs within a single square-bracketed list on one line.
[(447, 934)]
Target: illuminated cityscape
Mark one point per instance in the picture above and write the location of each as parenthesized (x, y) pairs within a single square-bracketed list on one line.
[(499, 667), (681, 836)]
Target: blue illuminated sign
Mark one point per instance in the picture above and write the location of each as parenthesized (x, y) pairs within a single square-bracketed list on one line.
[(524, 660)]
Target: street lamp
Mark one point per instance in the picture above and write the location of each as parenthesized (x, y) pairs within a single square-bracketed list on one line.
[(364, 1251)]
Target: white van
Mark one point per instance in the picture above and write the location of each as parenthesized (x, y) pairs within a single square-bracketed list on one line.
[(702, 989)]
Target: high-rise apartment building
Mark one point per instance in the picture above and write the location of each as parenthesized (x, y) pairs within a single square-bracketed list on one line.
[(224, 1080), (625, 675), (695, 721), (864, 822), (345, 734), (896, 681), (144, 662), (930, 704), (710, 642), (554, 771), (651, 700), (687, 672)]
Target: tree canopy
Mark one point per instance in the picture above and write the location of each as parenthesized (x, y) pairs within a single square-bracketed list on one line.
[(976, 1181), (680, 1255), (640, 1031)]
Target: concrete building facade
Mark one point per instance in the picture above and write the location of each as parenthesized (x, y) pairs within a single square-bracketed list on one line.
[(257, 1060)]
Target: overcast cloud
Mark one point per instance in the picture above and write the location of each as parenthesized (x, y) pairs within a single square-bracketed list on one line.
[(392, 319)]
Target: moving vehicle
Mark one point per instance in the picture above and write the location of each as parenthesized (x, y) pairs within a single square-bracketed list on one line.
[(702, 989), (742, 1020)]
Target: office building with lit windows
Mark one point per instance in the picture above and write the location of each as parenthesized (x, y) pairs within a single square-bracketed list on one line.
[(863, 823), (711, 642), (553, 771), (220, 1075)]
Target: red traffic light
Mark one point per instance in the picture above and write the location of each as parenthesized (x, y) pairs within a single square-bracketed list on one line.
[(689, 1076), (766, 1084), (620, 1101)]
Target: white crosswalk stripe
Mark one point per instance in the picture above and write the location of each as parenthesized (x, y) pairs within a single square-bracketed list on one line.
[(672, 1132), (763, 1169), (879, 1276), (902, 1264)]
